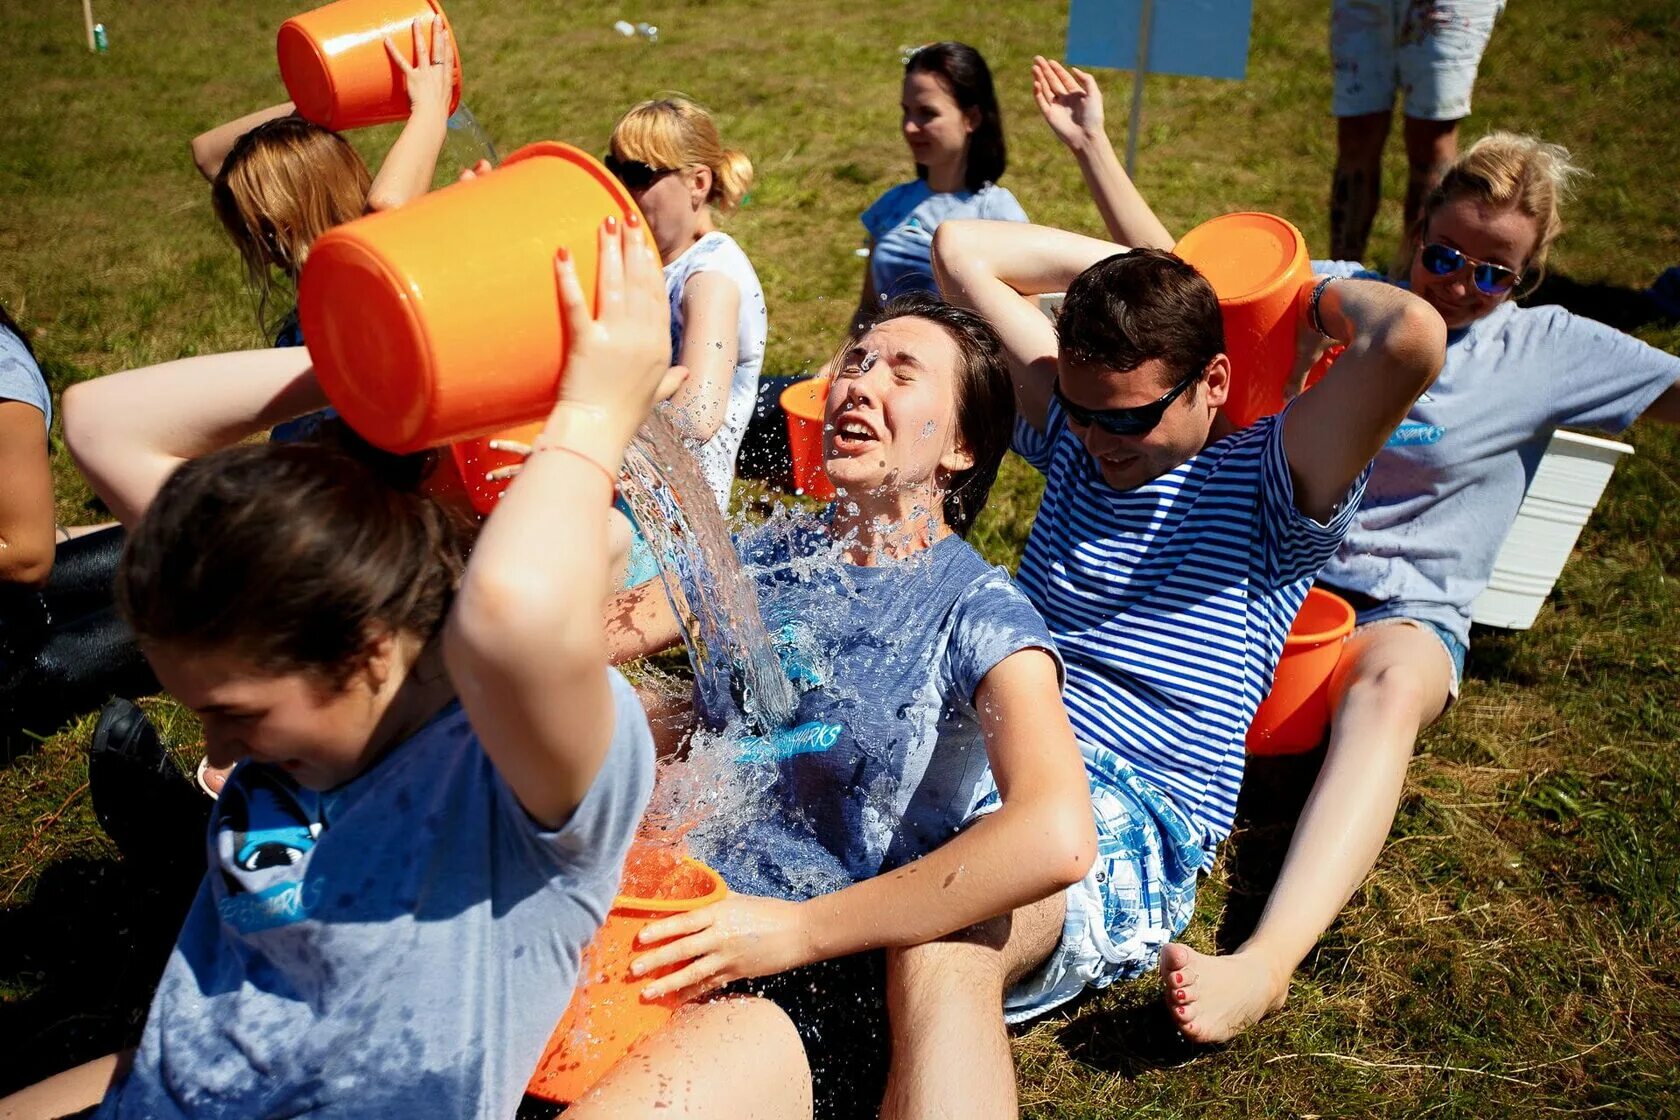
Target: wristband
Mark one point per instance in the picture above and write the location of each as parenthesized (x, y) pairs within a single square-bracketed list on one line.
[(1314, 320)]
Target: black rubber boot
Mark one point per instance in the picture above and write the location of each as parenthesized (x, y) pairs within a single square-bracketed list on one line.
[(154, 813)]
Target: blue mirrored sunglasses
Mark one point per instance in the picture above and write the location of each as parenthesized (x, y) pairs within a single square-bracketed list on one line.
[(1490, 279)]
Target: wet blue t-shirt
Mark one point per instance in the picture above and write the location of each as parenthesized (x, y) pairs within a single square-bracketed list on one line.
[(886, 760), (400, 946)]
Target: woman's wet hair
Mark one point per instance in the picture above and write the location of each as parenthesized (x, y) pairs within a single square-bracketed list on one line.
[(1133, 307), (968, 79), (1507, 170), (985, 398), (285, 183), (293, 556), (674, 132)]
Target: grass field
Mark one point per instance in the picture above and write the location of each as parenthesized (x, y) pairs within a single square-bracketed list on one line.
[(1517, 950)]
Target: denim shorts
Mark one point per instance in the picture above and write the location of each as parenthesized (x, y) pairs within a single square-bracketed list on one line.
[(1456, 650), (1427, 49), (1138, 895)]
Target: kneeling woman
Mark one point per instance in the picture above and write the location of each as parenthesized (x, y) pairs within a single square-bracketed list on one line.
[(952, 793)]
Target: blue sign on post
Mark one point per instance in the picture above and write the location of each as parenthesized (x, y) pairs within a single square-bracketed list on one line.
[(1195, 38)]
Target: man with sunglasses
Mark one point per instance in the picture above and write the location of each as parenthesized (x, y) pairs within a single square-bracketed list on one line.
[(1169, 556)]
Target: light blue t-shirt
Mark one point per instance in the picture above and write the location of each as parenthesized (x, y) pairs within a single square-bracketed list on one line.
[(902, 222), (1446, 489), (1170, 601), (887, 760), (20, 377), (400, 946)]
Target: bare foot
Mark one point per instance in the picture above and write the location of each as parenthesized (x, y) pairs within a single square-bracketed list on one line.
[(1214, 999)]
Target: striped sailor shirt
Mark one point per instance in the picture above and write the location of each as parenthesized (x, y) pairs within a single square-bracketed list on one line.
[(1170, 601)]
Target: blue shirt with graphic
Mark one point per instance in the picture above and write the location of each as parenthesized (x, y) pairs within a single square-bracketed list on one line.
[(902, 222), (1170, 602), (399, 946), (886, 760), (1445, 491)]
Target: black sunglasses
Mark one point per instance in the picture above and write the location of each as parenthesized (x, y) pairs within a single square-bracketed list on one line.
[(1137, 421), (1490, 279), (635, 174)]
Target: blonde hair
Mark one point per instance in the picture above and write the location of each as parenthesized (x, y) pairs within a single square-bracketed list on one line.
[(1508, 170), (285, 183), (674, 132)]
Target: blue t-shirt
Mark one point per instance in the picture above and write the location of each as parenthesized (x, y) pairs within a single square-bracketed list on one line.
[(1446, 489), (400, 946), (20, 377), (886, 760), (902, 222), (1170, 601)]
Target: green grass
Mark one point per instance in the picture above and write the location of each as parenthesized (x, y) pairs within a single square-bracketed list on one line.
[(1516, 950)]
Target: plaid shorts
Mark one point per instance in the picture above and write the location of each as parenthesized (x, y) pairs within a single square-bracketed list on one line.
[(1139, 893)]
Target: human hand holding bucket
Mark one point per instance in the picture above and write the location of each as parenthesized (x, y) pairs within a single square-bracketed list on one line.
[(336, 67), (438, 322), (607, 1015), (1259, 269)]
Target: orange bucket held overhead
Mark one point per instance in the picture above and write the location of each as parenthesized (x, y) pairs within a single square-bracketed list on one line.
[(440, 321), (1294, 715), (1259, 269), (334, 64), (804, 403), (607, 1015)]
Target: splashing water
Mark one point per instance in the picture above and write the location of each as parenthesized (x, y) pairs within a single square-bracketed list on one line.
[(466, 141)]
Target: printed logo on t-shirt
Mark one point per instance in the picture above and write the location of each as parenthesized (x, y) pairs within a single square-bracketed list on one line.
[(265, 828), (808, 738), (1414, 434)]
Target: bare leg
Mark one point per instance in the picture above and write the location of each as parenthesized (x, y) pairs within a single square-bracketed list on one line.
[(1431, 146), (64, 1094), (1390, 683), (1356, 188), (737, 1058), (945, 1003)]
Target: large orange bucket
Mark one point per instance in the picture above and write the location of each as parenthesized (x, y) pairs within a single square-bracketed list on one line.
[(1259, 269), (1293, 716), (804, 402), (334, 64), (607, 1015), (440, 321)]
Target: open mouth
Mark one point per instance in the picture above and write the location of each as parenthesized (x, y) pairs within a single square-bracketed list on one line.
[(852, 435)]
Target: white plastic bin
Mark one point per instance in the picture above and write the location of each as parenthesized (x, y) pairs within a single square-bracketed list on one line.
[(1566, 488)]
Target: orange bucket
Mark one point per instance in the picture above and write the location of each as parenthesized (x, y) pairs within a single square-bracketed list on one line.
[(607, 1015), (475, 459), (1293, 716), (804, 403), (334, 64), (1259, 269), (440, 321)]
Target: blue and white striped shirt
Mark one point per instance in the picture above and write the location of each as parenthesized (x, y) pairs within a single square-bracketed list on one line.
[(1170, 601)]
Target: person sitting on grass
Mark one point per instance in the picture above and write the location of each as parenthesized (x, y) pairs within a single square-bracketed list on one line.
[(438, 773), (932, 773), (1169, 556), (1443, 494), (277, 181)]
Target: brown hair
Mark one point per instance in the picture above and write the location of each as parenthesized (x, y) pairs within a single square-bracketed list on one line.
[(1505, 169), (293, 555), (676, 133), (1136, 306), (965, 75), (285, 183), (985, 398)]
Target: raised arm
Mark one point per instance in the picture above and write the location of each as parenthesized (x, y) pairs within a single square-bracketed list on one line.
[(1396, 344), (993, 268), (1072, 106), (1041, 840), (711, 313), (210, 149), (525, 643), (26, 498), (129, 431), (409, 166)]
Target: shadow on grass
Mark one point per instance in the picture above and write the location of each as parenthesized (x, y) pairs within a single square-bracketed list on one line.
[(1626, 309), (80, 962)]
